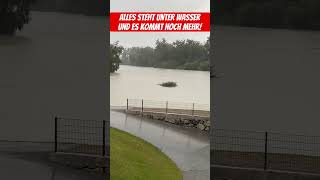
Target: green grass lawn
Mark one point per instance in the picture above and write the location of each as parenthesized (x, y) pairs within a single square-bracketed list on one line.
[(132, 158)]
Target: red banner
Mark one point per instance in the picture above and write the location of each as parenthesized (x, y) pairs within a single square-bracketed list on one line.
[(159, 21)]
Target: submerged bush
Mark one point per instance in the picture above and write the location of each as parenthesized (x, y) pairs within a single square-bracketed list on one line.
[(168, 84)]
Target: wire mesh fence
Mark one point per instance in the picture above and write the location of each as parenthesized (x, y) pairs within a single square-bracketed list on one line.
[(294, 152), (265, 150), (238, 148), (80, 136), (168, 107)]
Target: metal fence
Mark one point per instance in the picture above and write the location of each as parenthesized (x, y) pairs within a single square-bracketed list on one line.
[(168, 107), (265, 150), (80, 136)]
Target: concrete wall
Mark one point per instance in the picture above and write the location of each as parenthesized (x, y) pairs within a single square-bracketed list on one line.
[(229, 173)]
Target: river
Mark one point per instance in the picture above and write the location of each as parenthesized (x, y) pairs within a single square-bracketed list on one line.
[(270, 79), (54, 67), (143, 83)]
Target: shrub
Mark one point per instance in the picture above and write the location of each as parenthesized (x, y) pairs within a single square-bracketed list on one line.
[(168, 84), (14, 14)]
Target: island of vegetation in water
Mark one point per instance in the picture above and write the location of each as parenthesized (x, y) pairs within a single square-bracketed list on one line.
[(289, 14), (169, 84), (181, 54)]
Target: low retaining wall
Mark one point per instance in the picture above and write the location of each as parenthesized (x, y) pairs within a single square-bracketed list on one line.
[(81, 161), (202, 123)]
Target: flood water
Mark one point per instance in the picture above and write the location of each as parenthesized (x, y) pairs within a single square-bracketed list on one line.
[(54, 67), (25, 160), (270, 79), (143, 83)]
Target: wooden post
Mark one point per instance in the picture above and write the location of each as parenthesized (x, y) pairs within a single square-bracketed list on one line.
[(142, 105), (127, 104), (192, 109), (104, 138), (166, 107)]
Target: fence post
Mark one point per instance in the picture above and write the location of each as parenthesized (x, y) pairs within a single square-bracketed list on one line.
[(166, 107), (127, 104), (55, 134), (142, 105), (192, 109), (104, 138), (266, 151)]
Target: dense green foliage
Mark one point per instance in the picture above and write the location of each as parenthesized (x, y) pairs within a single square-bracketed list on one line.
[(115, 52), (134, 158), (181, 54), (297, 14), (14, 14)]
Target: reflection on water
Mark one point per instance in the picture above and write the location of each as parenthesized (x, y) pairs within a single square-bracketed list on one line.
[(143, 83), (26, 160), (270, 80), (54, 67)]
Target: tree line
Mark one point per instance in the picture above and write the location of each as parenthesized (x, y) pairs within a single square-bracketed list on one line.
[(14, 14), (87, 7), (291, 14), (180, 54)]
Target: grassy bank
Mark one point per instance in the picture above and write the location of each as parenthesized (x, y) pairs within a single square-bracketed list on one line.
[(132, 158)]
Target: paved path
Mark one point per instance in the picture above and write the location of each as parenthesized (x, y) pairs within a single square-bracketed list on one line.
[(188, 148), (29, 161)]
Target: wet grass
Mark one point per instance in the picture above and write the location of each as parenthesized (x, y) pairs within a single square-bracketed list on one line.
[(132, 158)]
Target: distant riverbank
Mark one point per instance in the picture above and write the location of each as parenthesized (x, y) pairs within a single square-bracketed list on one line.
[(87, 7), (286, 14), (177, 68), (187, 54)]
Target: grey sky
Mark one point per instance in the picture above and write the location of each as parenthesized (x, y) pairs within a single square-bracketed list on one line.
[(129, 39)]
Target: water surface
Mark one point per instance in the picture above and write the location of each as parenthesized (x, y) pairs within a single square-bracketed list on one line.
[(143, 83), (54, 67), (270, 79)]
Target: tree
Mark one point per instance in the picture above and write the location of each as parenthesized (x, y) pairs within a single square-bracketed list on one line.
[(181, 54), (14, 14), (297, 14), (115, 51)]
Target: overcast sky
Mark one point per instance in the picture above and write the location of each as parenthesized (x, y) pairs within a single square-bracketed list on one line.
[(129, 39)]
